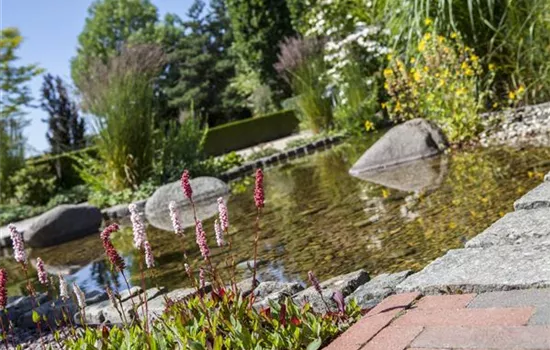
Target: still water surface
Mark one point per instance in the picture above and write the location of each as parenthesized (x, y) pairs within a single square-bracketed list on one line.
[(319, 218)]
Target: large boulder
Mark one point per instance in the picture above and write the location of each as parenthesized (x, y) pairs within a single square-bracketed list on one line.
[(206, 190), (413, 140), (61, 224)]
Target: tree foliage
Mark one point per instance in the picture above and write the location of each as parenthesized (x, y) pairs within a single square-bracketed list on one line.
[(258, 27), (205, 64), (16, 95), (65, 126)]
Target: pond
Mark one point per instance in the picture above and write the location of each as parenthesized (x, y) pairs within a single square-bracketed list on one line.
[(317, 217)]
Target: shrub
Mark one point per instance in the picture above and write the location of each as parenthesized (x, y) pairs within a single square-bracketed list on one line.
[(440, 84), (121, 94), (33, 185), (302, 65), (512, 35), (249, 132)]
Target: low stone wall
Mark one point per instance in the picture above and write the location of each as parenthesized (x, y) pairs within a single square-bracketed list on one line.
[(525, 125)]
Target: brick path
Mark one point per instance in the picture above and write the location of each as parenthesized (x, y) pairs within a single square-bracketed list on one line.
[(517, 319)]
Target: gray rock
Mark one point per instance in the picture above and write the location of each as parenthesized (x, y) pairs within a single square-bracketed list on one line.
[(539, 197), (63, 223), (412, 140), (269, 287), (371, 293), (522, 226), (51, 310), (121, 210), (245, 287), (267, 292), (478, 270), (344, 283), (206, 190)]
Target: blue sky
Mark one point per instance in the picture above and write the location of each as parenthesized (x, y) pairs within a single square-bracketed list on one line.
[(50, 29)]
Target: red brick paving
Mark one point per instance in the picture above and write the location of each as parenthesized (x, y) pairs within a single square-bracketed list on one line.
[(458, 301), (401, 322), (466, 317)]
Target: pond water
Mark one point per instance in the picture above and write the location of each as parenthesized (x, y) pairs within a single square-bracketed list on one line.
[(319, 218)]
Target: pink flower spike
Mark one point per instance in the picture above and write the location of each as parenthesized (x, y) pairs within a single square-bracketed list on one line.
[(149, 259), (3, 289), (259, 189), (201, 240), (18, 246), (219, 233), (174, 215), (314, 282), (185, 185), (42, 275), (224, 219), (137, 226), (106, 234)]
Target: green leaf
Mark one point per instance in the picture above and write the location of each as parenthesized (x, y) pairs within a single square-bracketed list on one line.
[(314, 345), (35, 316)]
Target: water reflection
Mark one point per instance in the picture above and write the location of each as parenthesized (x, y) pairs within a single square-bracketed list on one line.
[(317, 217)]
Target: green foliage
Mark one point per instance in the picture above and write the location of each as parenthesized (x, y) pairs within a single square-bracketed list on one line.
[(205, 65), (512, 35), (188, 324), (109, 26), (182, 147), (33, 185), (357, 103), (15, 96), (65, 127), (14, 211), (440, 84), (258, 26), (249, 132), (105, 199), (121, 94)]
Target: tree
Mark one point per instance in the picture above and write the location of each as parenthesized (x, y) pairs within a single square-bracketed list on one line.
[(109, 26), (16, 95), (65, 126), (205, 65), (258, 27)]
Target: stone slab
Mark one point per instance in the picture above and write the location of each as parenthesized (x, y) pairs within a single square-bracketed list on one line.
[(539, 197), (393, 338), (476, 270), (518, 227), (372, 292)]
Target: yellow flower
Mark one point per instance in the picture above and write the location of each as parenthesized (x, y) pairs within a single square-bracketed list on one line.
[(521, 90), (421, 46), (428, 21), (388, 72), (474, 58), (491, 67), (464, 66), (398, 107), (386, 86), (512, 95), (369, 125), (425, 69), (389, 57), (469, 72), (495, 105), (427, 36), (416, 76), (383, 105), (453, 35), (440, 39), (413, 59)]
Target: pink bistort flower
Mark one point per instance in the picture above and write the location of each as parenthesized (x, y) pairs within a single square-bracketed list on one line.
[(42, 275), (138, 226), (175, 217), (224, 219), (259, 189), (201, 240), (149, 259), (18, 246), (219, 233), (185, 185)]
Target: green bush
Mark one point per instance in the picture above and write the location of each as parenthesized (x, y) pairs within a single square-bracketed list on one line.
[(33, 185), (250, 132)]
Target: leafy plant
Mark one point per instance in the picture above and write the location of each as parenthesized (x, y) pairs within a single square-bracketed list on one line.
[(33, 185), (440, 84), (302, 65), (263, 152)]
